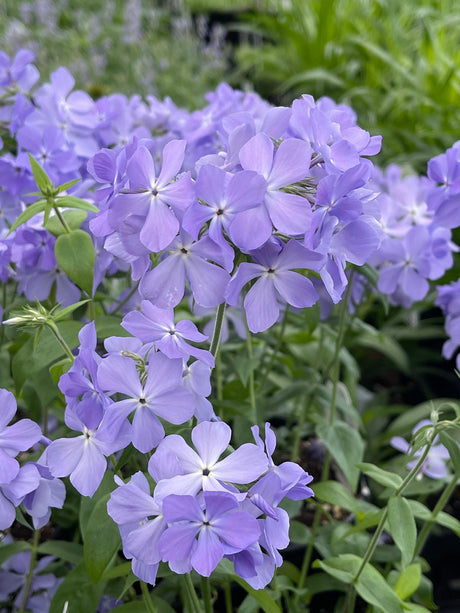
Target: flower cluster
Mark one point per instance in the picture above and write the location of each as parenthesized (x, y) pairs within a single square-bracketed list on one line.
[(30, 484), (197, 515), (418, 243)]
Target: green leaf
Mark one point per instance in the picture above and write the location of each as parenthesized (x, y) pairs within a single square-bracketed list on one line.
[(373, 588), (263, 598), (70, 202), (41, 178), (102, 541), (68, 185), (299, 533), (244, 367), (78, 591), (63, 313), (64, 550), (408, 581), (452, 447), (28, 360), (383, 343), (381, 476), (346, 446), (341, 567), (73, 219), (337, 494), (31, 211), (75, 255), (402, 527)]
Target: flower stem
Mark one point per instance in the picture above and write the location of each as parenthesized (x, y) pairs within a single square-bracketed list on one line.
[(58, 336), (146, 597), (194, 602), (61, 218), (437, 509), (217, 329), (378, 531), (228, 597), (252, 393), (30, 572), (206, 593)]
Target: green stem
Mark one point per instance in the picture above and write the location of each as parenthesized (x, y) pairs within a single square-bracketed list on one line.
[(252, 392), (303, 410), (272, 358), (146, 597), (380, 527), (57, 335), (443, 499), (61, 218), (195, 604), (92, 310), (206, 593), (228, 597), (217, 329), (30, 572)]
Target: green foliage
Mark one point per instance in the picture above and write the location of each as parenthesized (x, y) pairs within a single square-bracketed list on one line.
[(393, 62)]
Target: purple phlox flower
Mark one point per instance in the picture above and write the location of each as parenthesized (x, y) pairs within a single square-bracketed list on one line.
[(125, 246), (19, 73), (84, 457), (444, 173), (20, 436), (434, 465), (406, 264), (80, 385), (13, 493), (449, 301), (120, 119), (204, 533), (13, 575), (49, 493), (340, 196), (196, 378), (50, 150), (293, 479), (275, 262), (156, 197), (16, 178), (157, 326), (188, 260), (140, 521), (73, 112), (332, 131), (203, 470), (154, 392), (222, 195), (289, 213)]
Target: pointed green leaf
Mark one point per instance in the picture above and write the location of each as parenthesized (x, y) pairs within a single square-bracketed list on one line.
[(70, 202), (408, 581), (64, 550), (452, 447), (402, 527), (31, 211), (73, 219), (102, 540), (68, 185), (381, 476), (63, 313), (41, 178), (337, 494), (13, 548), (373, 588), (78, 591), (346, 446), (75, 255)]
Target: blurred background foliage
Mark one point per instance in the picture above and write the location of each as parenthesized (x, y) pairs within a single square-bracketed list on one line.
[(396, 63)]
